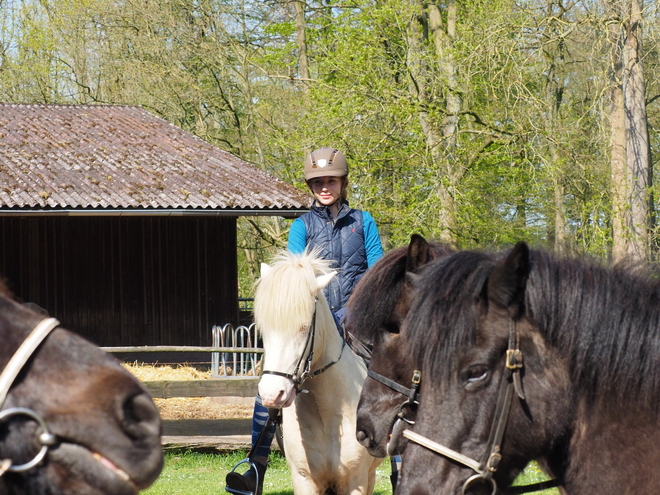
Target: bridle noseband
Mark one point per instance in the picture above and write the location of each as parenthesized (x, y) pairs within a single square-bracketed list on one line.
[(298, 377), (412, 393), (9, 374)]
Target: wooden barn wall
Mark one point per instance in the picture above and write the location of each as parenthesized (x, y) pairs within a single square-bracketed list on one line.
[(126, 281)]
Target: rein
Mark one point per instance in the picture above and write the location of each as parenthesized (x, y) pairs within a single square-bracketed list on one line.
[(299, 379), (487, 466), (9, 374)]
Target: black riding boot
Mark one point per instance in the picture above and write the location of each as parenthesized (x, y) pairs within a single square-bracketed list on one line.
[(247, 482)]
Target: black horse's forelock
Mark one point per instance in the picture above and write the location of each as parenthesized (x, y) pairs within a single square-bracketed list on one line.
[(443, 316), (605, 320), (376, 294)]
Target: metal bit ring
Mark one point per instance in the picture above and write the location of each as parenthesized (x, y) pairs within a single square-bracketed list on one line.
[(46, 438)]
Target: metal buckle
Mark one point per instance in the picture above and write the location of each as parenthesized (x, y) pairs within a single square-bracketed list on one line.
[(416, 377), (514, 359), (494, 461)]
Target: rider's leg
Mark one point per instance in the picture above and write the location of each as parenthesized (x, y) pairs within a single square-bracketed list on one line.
[(396, 467), (259, 419), (248, 482)]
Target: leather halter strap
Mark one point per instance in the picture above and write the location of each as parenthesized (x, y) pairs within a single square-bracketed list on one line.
[(20, 357), (9, 374), (412, 392), (487, 466)]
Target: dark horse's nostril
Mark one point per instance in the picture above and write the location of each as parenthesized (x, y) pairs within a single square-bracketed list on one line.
[(363, 438), (140, 416)]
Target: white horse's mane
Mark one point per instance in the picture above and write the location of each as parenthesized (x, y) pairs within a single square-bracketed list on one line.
[(285, 295)]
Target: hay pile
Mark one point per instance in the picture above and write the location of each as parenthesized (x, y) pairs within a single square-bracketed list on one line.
[(192, 407)]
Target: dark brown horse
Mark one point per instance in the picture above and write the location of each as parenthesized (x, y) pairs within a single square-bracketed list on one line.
[(377, 307), (72, 420), (527, 356)]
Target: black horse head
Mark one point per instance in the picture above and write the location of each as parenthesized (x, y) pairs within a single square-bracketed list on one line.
[(584, 341)]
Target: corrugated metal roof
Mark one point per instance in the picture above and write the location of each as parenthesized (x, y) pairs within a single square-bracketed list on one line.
[(107, 157)]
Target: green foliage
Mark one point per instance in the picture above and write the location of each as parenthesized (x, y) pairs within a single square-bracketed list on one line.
[(527, 156)]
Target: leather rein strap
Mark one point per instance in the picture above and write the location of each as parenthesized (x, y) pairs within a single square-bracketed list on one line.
[(487, 466), (9, 374)]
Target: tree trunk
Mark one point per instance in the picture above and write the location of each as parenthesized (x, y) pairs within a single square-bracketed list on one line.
[(554, 95), (630, 152), (637, 143), (301, 39), (620, 208), (440, 136)]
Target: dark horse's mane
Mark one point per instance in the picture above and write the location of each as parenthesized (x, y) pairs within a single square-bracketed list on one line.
[(378, 291), (605, 320)]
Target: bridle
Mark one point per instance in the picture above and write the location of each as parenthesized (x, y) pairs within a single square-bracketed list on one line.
[(298, 377), (9, 374), (412, 392), (486, 468)]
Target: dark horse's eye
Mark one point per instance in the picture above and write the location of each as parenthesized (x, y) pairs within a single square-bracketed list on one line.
[(477, 373)]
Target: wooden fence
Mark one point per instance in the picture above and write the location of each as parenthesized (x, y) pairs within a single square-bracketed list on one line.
[(217, 435)]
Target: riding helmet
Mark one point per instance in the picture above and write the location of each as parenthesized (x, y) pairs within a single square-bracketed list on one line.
[(325, 162)]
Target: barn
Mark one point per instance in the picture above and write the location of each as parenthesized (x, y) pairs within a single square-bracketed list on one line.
[(122, 225)]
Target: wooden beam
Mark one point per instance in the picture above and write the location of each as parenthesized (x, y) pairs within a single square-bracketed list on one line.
[(183, 348), (238, 386)]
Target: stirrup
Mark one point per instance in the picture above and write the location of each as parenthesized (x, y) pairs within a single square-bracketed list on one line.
[(236, 491)]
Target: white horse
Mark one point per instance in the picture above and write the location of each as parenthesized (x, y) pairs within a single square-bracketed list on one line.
[(314, 376)]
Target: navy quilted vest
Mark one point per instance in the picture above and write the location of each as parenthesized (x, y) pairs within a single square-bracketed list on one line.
[(341, 241)]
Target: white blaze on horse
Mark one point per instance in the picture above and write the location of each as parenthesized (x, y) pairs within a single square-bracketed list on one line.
[(312, 374)]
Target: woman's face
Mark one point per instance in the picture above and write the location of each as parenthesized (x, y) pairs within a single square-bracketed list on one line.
[(326, 190)]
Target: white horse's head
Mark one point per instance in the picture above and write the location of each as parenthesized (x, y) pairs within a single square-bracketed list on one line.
[(288, 299)]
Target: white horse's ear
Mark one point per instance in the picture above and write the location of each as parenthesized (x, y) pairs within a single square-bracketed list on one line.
[(323, 280), (265, 269)]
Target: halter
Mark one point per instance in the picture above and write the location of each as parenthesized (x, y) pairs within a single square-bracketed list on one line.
[(486, 468), (9, 374), (306, 373), (411, 392)]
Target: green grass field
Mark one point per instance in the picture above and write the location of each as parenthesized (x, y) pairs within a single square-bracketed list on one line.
[(191, 473)]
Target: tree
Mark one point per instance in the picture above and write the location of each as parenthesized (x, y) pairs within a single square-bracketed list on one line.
[(630, 156), (476, 122)]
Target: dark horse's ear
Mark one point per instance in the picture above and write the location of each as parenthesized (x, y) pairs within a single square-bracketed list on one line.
[(418, 253), (417, 256), (506, 285)]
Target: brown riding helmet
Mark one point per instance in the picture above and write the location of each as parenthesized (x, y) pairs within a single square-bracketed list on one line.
[(325, 162)]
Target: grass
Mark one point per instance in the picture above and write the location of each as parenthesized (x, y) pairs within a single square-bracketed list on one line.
[(193, 473), (533, 474)]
